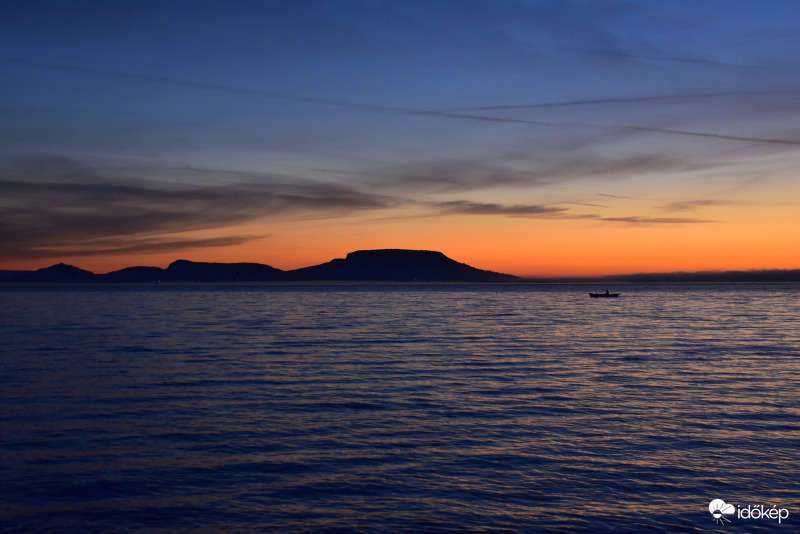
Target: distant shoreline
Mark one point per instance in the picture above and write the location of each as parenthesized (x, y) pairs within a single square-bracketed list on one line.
[(343, 283), (367, 267)]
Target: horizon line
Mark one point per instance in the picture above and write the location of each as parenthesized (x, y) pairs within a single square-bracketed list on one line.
[(521, 278)]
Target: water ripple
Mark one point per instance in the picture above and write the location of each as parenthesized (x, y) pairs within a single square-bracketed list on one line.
[(396, 408)]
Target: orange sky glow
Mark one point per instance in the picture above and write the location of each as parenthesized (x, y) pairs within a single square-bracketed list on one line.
[(530, 247)]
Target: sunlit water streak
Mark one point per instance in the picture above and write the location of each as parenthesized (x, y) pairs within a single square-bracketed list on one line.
[(397, 408)]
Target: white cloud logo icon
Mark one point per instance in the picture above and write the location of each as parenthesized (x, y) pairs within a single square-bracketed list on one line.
[(719, 509)]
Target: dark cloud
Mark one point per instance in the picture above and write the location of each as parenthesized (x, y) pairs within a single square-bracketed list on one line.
[(655, 220), (691, 205), (521, 170), (451, 175), (585, 204), (126, 245), (675, 59), (59, 206), (490, 208), (58, 203), (614, 196), (533, 210)]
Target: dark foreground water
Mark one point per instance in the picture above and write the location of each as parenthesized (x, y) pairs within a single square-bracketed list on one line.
[(250, 409)]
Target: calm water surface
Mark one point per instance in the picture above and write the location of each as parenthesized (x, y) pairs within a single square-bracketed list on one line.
[(397, 408)]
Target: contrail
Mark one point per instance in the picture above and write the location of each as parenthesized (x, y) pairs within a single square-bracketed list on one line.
[(761, 140), (179, 82), (622, 100), (374, 107), (262, 93)]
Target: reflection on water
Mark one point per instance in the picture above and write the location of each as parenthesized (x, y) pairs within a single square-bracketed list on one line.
[(397, 408)]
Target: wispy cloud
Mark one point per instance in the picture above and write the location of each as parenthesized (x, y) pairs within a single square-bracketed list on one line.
[(692, 205), (658, 12), (167, 80), (132, 245), (490, 208), (655, 220), (675, 59), (58, 203), (624, 100), (613, 196), (453, 176), (707, 135), (514, 171), (585, 204), (465, 207), (451, 115)]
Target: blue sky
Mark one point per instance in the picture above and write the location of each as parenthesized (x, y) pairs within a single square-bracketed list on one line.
[(293, 132)]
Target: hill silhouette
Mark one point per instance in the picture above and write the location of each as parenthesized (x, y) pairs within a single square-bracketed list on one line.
[(383, 265), (193, 271), (61, 274), (133, 275), (388, 265), (397, 265)]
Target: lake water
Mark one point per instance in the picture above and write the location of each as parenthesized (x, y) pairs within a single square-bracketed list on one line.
[(398, 409)]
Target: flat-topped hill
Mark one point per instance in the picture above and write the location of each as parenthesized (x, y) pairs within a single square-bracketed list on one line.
[(398, 265)]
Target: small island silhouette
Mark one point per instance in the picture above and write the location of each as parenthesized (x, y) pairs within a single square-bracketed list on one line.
[(382, 265)]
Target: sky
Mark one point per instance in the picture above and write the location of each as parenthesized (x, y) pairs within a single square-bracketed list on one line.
[(537, 138)]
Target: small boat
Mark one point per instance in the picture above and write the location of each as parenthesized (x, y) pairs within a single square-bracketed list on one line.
[(606, 295)]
